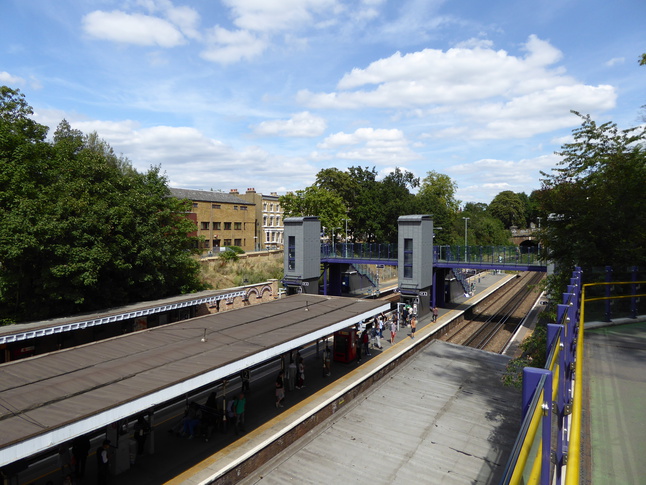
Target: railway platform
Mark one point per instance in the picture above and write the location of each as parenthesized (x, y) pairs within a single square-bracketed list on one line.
[(179, 460)]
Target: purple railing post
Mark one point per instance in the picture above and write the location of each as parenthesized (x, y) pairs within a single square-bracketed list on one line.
[(608, 314), (531, 379), (633, 289)]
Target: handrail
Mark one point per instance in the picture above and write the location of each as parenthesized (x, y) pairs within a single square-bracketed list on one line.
[(574, 452)]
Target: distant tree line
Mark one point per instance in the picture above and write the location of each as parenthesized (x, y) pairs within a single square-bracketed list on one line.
[(80, 229)]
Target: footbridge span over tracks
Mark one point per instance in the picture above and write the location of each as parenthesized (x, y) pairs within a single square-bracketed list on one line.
[(424, 270)]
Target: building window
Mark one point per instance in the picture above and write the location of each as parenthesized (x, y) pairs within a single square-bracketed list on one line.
[(194, 205), (267, 236), (235, 207), (227, 242), (278, 220), (408, 258), (264, 206), (227, 226), (206, 244), (217, 226), (204, 226), (216, 206), (291, 253), (264, 220), (243, 207), (237, 226), (271, 221), (216, 243), (237, 242)]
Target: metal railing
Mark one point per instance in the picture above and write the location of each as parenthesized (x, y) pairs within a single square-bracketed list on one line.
[(552, 396)]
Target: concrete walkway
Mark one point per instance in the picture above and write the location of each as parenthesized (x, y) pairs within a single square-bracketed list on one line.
[(614, 379)]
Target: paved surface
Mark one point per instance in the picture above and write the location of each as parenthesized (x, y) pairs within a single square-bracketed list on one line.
[(615, 383)]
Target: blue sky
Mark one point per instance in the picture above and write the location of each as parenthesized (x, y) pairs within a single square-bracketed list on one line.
[(265, 93)]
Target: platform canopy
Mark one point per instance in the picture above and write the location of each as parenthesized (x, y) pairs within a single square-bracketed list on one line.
[(52, 398)]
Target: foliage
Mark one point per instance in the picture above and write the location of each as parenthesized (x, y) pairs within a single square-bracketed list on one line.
[(234, 273), (79, 228), (436, 196), (509, 208), (596, 199), (228, 255), (315, 201)]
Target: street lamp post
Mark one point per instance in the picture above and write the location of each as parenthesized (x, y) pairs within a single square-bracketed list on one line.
[(346, 237), (333, 239), (465, 237)]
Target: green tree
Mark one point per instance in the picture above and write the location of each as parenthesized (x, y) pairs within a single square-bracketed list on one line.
[(313, 201), (596, 199), (394, 200), (508, 208), (80, 229), (436, 196)]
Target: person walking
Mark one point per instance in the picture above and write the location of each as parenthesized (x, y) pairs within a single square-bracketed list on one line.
[(413, 327), (393, 330), (280, 389), (435, 313)]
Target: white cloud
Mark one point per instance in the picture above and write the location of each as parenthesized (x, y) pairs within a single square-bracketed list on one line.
[(488, 177), (615, 61), (192, 160), (300, 125), (7, 78), (272, 16), (134, 28), (477, 91), (226, 46), (379, 146)]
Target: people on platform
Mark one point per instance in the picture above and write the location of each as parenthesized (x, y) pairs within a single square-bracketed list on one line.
[(280, 388)]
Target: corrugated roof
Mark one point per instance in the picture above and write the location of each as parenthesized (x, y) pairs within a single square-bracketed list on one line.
[(208, 196), (442, 417), (52, 398)]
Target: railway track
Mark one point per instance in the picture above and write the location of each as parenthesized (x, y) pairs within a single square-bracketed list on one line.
[(494, 325)]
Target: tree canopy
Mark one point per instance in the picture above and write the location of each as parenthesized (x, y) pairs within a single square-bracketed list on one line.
[(80, 229), (595, 198)]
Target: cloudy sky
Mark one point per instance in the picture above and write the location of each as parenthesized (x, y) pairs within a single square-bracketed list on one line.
[(227, 94)]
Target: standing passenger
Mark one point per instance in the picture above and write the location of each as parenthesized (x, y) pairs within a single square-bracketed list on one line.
[(300, 383), (393, 330), (103, 462), (280, 389), (435, 313), (244, 377), (240, 410), (292, 370), (80, 448), (413, 327)]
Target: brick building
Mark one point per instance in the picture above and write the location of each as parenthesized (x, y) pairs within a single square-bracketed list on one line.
[(222, 219)]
